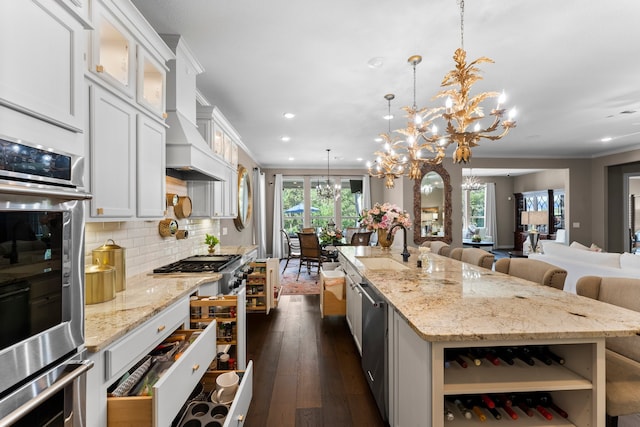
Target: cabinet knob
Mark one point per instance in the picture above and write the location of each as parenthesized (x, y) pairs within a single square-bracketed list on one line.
[(195, 367), (161, 328), (100, 211), (100, 68), (165, 115)]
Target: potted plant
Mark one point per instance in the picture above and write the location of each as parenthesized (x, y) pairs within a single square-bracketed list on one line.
[(211, 241)]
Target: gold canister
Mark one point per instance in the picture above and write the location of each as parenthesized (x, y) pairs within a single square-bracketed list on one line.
[(113, 255), (99, 283)]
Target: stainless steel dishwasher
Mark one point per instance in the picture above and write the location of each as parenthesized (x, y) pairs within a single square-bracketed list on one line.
[(374, 345)]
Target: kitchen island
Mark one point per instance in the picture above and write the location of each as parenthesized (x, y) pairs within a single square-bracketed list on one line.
[(450, 307)]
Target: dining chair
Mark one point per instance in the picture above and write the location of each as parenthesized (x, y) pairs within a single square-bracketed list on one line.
[(309, 230), (293, 248), (361, 238), (310, 252)]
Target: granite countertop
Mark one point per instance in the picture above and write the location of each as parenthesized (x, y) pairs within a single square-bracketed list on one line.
[(454, 301), (144, 297)]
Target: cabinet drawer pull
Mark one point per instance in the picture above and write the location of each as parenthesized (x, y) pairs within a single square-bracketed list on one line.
[(100, 68), (195, 367), (161, 328), (100, 211)]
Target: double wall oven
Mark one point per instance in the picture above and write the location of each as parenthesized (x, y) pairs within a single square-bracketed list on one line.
[(41, 286)]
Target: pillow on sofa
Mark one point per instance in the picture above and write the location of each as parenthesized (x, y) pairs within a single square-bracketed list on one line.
[(549, 247), (577, 245)]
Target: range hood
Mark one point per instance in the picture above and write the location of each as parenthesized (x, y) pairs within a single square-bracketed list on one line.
[(189, 157)]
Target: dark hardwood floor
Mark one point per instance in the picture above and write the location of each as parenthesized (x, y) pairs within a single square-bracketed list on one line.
[(306, 369)]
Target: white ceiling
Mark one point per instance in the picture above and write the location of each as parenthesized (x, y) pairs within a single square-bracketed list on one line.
[(570, 67)]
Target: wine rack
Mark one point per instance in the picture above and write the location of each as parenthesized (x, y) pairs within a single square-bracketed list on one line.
[(565, 374)]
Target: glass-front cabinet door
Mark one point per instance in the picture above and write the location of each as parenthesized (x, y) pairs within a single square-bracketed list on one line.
[(151, 83), (113, 52)]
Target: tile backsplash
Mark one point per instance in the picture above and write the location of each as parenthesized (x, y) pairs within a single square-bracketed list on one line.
[(145, 248)]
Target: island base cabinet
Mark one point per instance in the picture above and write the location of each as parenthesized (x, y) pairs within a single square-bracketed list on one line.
[(425, 378)]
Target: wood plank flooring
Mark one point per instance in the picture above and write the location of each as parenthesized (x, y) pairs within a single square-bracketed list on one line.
[(306, 369)]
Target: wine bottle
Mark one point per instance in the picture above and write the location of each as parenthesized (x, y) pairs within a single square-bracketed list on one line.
[(524, 354), (545, 399), (463, 409), (496, 414), (555, 357), (534, 403), (519, 401), (492, 357), (448, 415), (474, 356), (504, 402), (507, 355), (540, 354), (487, 401)]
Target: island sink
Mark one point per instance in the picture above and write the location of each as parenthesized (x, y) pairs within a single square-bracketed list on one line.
[(375, 263)]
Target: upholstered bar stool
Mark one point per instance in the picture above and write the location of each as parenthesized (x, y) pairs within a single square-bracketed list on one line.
[(533, 270), (473, 256), (623, 353), (438, 247)]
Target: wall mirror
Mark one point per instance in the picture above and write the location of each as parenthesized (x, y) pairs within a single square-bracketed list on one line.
[(432, 205), (245, 198)]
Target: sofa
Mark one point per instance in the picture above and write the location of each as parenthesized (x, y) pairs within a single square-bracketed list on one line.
[(580, 260)]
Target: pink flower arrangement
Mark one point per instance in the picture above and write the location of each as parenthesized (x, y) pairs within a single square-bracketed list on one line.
[(384, 216)]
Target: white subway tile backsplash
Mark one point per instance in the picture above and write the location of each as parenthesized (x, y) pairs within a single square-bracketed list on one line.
[(145, 248)]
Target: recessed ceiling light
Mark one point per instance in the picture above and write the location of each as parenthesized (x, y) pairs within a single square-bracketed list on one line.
[(606, 139), (378, 139), (375, 62), (291, 159), (388, 116), (285, 138), (359, 159), (289, 115)]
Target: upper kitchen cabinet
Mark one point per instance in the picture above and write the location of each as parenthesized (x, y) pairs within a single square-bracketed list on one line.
[(126, 138), (127, 56), (218, 132), (42, 45)]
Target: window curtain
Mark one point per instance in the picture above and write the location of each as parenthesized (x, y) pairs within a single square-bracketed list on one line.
[(259, 215), (366, 192), (490, 212), (277, 249)]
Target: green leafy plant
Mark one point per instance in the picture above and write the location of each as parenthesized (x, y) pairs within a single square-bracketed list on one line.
[(211, 240)]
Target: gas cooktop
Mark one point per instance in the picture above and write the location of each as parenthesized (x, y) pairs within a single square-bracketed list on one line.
[(199, 264)]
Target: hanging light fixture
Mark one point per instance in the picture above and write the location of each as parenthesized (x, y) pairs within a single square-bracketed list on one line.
[(463, 111), (389, 163), (471, 182), (328, 191), (417, 145)]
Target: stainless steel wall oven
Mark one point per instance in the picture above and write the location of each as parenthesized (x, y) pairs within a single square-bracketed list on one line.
[(41, 286)]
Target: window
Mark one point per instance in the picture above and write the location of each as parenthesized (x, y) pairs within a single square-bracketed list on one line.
[(343, 210), (474, 208)]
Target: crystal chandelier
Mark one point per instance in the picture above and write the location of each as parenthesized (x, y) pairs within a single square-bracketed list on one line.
[(463, 111), (328, 191), (389, 164), (419, 121), (471, 182)]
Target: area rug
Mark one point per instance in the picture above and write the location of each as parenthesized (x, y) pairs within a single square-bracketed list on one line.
[(307, 284)]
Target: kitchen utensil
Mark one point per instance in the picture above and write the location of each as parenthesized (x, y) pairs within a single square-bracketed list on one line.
[(183, 208), (168, 227), (182, 234), (100, 283), (115, 256)]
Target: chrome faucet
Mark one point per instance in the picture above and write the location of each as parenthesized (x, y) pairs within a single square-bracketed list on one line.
[(405, 251)]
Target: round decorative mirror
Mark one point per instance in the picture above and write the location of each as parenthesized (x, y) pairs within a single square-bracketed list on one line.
[(432, 205), (245, 198)]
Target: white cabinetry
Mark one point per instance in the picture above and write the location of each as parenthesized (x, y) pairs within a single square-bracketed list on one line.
[(126, 80), (419, 383), (217, 199), (112, 153), (40, 38), (354, 303), (150, 168)]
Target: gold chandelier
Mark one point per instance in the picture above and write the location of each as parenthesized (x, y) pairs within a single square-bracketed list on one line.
[(389, 163), (421, 142), (463, 110)]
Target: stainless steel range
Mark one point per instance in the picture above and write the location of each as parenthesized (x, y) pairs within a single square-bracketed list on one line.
[(227, 265)]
